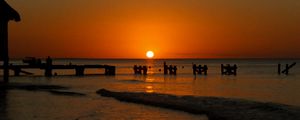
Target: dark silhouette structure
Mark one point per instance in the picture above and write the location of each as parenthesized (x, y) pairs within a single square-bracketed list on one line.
[(48, 67), (228, 70), (287, 68), (138, 70), (32, 61), (172, 70), (165, 68), (7, 13), (200, 69)]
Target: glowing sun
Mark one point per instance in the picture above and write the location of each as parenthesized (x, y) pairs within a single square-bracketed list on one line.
[(150, 54)]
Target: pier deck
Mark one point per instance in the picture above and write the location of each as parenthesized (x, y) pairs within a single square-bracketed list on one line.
[(79, 69)]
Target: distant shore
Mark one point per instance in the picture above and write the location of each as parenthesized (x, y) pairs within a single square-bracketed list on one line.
[(214, 107)]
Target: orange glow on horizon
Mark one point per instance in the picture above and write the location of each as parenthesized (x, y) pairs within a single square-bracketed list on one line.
[(177, 29)]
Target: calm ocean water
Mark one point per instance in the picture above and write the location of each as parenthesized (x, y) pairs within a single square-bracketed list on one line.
[(256, 80)]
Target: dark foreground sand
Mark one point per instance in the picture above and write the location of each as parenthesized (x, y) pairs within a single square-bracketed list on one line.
[(214, 107)]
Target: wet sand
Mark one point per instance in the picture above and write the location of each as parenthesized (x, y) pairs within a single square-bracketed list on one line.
[(216, 108)]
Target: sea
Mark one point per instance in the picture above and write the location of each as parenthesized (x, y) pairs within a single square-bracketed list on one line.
[(256, 79)]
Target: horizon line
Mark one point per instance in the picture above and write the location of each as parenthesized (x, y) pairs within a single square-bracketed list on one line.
[(228, 58)]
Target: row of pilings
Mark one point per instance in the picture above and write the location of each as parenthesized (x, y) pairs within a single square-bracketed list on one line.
[(226, 69)]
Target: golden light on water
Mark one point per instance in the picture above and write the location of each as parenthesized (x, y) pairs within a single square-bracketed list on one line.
[(149, 89)]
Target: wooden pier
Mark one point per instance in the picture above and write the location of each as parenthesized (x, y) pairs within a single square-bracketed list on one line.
[(79, 69)]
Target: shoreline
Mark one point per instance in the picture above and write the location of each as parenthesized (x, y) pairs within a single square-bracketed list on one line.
[(216, 108)]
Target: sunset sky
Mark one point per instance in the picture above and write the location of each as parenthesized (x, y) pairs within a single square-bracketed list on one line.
[(171, 28)]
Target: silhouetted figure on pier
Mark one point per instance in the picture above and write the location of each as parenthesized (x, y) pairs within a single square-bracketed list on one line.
[(7, 13)]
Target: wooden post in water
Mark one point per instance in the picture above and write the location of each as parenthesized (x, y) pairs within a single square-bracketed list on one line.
[(17, 71), (287, 68), (229, 70), (194, 69), (201, 69), (6, 14), (165, 68), (110, 70), (79, 71), (222, 69), (48, 67), (279, 69)]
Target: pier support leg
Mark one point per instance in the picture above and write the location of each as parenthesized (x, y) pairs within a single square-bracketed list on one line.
[(287, 69), (111, 70), (279, 69), (79, 71), (222, 69), (48, 72), (17, 71), (48, 69), (4, 48), (6, 71), (165, 68)]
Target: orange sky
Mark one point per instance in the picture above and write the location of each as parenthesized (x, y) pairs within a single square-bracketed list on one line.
[(171, 28)]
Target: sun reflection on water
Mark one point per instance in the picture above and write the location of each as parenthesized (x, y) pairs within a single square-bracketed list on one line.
[(149, 80), (149, 89)]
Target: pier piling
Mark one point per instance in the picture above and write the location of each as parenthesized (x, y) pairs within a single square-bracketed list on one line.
[(139, 70), (287, 68), (279, 69), (228, 69), (7, 13), (172, 70), (48, 68), (201, 69)]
